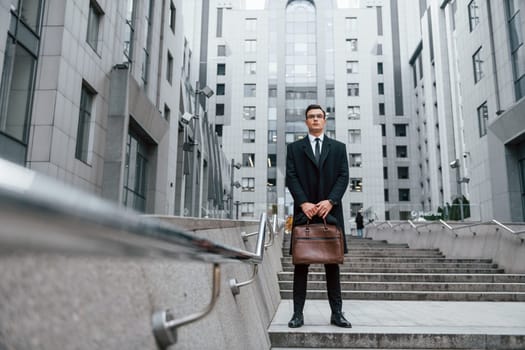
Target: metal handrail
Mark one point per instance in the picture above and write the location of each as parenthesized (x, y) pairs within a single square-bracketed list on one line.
[(91, 225), (501, 225), (443, 222)]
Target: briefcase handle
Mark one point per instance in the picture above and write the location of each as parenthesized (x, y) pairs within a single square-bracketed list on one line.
[(307, 228)]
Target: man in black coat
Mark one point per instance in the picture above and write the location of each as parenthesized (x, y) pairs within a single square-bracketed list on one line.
[(317, 177)]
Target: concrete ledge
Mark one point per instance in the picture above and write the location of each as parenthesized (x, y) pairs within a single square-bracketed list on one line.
[(58, 302), (486, 241)]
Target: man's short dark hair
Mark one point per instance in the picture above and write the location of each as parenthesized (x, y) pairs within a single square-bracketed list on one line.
[(310, 107)]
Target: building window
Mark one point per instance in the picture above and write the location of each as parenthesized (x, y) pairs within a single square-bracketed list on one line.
[(169, 68), (148, 22), (477, 63), (384, 151), (352, 67), (221, 50), (354, 112), (248, 184), (385, 172), (221, 68), (473, 14), (379, 49), (16, 90), (129, 31), (383, 130), (220, 89), (381, 88), (402, 172), (386, 195), (218, 129), (248, 136), (355, 160), (405, 215), (135, 173), (272, 160), (354, 208), (173, 16), (401, 152), (248, 112), (404, 195), (272, 136), (352, 89), (250, 68), (94, 18), (400, 130), (351, 45), (219, 22), (167, 112), (354, 136), (270, 185), (247, 209), (381, 108), (250, 46), (84, 129), (219, 109), (250, 24), (351, 25), (483, 117), (249, 90), (356, 184), (248, 160), (517, 48), (379, 68)]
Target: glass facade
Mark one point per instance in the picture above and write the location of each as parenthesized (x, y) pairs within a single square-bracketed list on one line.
[(135, 173), (18, 78)]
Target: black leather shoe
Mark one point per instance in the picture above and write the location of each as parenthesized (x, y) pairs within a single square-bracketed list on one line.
[(340, 321), (296, 321)]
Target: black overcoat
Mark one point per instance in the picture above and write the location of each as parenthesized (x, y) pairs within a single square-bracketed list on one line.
[(309, 182)]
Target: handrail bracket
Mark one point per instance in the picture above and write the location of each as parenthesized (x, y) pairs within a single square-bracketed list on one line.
[(165, 325)]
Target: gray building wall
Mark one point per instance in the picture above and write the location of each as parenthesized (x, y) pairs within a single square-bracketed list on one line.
[(125, 101)]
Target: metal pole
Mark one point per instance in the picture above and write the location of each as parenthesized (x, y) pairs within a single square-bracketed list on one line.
[(237, 210), (460, 195), (195, 150), (231, 188)]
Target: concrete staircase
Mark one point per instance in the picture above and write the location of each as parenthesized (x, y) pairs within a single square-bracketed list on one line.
[(426, 302)]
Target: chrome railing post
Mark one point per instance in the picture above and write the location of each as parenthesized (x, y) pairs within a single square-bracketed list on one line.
[(259, 250)]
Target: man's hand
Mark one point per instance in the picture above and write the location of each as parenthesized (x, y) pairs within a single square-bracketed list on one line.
[(309, 209), (323, 208)]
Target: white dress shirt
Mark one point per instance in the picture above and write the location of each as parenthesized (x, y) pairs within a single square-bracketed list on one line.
[(312, 142)]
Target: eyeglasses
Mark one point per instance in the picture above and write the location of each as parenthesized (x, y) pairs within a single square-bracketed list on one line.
[(313, 116)]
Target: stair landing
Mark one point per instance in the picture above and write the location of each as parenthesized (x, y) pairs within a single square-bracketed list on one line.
[(403, 324)]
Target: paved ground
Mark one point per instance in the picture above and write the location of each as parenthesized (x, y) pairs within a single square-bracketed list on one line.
[(429, 317)]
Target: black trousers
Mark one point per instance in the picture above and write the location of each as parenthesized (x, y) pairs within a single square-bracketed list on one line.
[(333, 287)]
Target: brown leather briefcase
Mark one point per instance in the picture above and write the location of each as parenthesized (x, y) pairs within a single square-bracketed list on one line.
[(317, 244)]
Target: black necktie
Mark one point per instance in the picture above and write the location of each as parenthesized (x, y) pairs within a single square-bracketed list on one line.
[(317, 149)]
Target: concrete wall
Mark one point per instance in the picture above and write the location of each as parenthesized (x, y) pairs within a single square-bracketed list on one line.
[(58, 302), (486, 241)]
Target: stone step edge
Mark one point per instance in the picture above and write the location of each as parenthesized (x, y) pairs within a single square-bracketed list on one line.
[(397, 340), (406, 292), (414, 274), (518, 284)]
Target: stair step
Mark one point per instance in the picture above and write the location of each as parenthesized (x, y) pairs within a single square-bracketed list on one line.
[(393, 260), (345, 268), (414, 295), (319, 340), (412, 277), (415, 286)]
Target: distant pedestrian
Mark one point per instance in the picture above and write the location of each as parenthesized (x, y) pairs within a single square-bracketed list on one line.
[(359, 223)]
